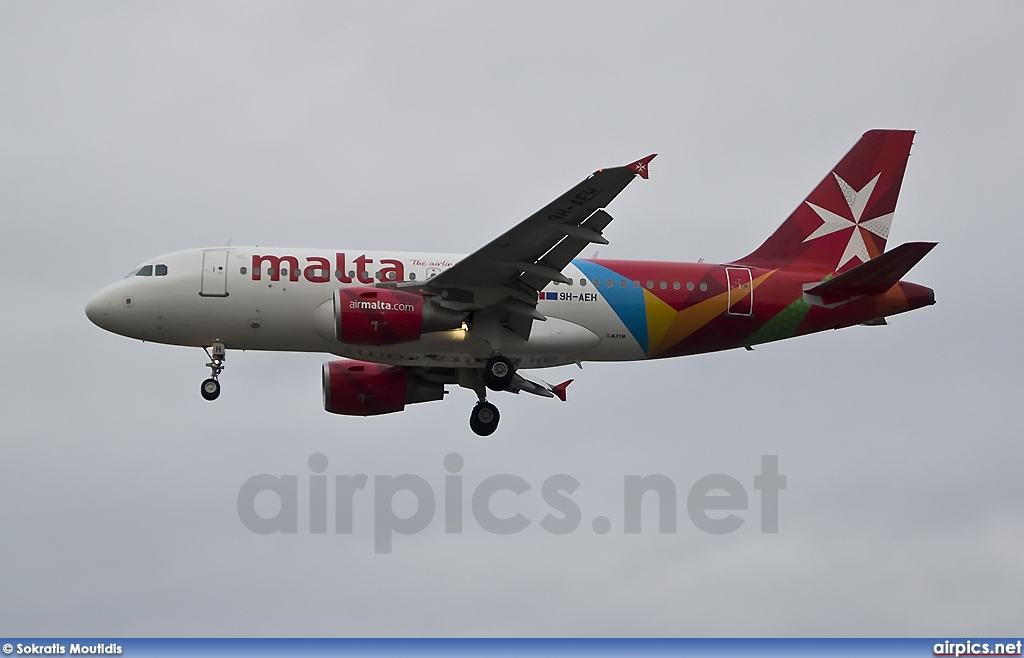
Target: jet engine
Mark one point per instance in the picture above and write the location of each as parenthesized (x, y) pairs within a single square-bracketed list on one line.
[(358, 388), (381, 316)]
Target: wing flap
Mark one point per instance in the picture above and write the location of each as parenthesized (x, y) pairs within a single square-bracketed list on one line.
[(566, 250), (527, 242), (519, 263)]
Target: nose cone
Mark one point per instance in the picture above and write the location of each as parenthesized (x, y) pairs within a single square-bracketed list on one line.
[(97, 309)]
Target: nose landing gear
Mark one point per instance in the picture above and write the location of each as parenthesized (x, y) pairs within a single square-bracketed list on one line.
[(210, 389)]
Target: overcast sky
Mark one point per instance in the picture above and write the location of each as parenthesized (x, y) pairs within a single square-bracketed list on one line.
[(129, 130)]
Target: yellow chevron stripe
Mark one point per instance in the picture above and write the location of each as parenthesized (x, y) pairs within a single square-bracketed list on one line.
[(659, 317), (692, 318)]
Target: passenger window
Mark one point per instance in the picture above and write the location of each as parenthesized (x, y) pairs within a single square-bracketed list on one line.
[(243, 270), (412, 276), (703, 287), (622, 283), (611, 284), (636, 283), (675, 285), (650, 285), (663, 285), (689, 285), (597, 283), (145, 271), (583, 282), (161, 270)]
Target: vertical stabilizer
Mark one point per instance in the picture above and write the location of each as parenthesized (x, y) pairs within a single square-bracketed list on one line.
[(845, 221)]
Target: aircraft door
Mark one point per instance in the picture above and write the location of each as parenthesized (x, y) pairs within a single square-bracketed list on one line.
[(215, 273), (741, 291)]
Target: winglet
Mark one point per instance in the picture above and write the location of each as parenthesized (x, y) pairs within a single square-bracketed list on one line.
[(642, 165), (559, 389)]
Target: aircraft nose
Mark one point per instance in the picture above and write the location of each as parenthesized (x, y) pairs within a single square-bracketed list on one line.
[(97, 309)]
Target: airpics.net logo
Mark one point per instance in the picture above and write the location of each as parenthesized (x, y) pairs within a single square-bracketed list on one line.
[(269, 504)]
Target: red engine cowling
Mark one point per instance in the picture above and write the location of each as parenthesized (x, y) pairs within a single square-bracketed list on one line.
[(358, 388), (384, 316), (377, 316)]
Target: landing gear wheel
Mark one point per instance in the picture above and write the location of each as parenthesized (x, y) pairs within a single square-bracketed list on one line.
[(498, 373), (210, 389), (484, 419)]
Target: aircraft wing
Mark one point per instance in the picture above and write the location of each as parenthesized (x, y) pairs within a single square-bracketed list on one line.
[(507, 273)]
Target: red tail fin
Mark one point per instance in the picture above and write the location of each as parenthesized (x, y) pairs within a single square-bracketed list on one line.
[(845, 221)]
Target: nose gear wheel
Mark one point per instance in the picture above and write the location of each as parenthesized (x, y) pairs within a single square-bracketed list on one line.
[(210, 389)]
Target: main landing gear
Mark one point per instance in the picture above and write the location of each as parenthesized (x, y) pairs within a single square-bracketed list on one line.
[(497, 375), (484, 419), (210, 388), (498, 372)]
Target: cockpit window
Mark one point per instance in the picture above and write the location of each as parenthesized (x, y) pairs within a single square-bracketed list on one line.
[(145, 271), (161, 270)]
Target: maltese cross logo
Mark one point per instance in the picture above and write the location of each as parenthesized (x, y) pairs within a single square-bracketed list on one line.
[(832, 223)]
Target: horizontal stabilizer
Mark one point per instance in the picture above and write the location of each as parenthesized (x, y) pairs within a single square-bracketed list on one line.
[(877, 275)]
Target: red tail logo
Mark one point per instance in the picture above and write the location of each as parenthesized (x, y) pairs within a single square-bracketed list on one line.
[(845, 221)]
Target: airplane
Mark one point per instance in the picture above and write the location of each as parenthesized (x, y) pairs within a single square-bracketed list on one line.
[(406, 325)]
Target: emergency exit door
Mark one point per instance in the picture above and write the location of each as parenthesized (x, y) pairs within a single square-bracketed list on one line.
[(741, 291)]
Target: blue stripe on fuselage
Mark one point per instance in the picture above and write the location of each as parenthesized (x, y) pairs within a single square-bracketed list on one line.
[(628, 302)]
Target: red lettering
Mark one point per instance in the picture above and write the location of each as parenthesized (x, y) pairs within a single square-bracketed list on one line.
[(318, 268), (321, 265), (395, 270), (342, 275), (361, 272), (275, 263)]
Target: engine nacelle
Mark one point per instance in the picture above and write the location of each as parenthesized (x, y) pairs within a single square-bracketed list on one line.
[(382, 316), (358, 388)]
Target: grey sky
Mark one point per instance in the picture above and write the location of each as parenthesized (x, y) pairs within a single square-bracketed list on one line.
[(133, 129)]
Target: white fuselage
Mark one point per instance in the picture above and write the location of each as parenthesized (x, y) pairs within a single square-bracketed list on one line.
[(208, 296)]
